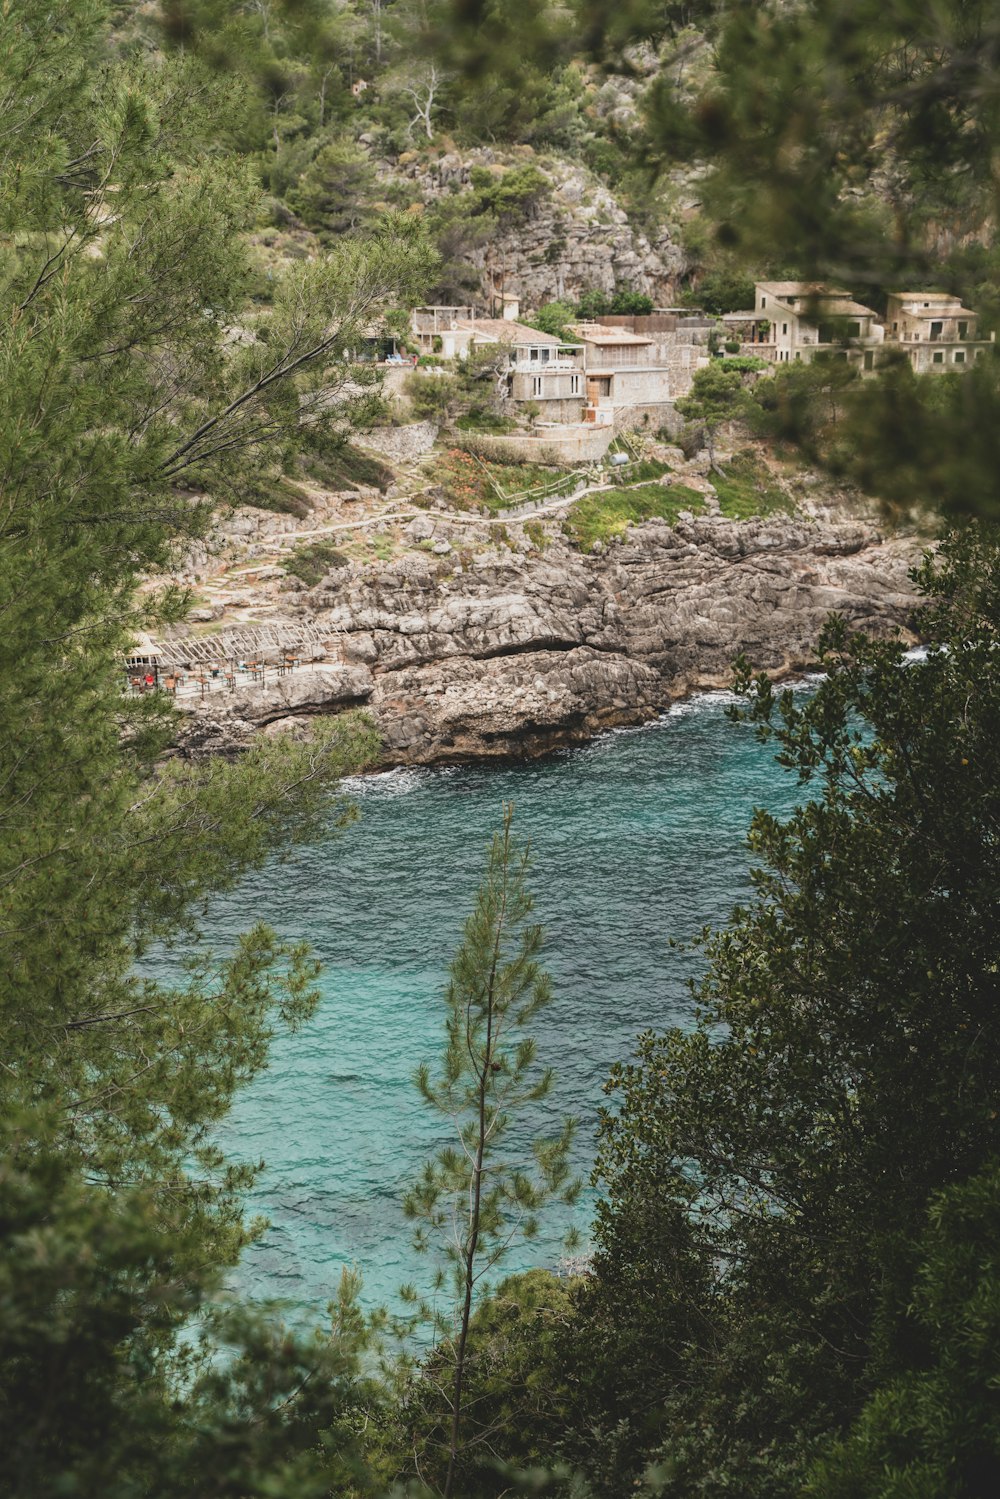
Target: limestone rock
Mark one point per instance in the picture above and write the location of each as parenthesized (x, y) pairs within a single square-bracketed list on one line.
[(517, 654)]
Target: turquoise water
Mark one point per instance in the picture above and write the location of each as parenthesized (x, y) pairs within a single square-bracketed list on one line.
[(637, 838)]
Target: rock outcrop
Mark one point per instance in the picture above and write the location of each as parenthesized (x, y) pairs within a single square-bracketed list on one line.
[(514, 656), (575, 238)]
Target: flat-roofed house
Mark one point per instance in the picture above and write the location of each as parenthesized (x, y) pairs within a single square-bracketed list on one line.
[(627, 373), (435, 330), (934, 330), (542, 369)]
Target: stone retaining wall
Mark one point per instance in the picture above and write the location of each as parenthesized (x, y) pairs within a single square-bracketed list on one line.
[(582, 444)]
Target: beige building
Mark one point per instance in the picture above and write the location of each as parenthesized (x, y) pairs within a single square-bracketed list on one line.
[(637, 367), (616, 371), (795, 320), (539, 368), (934, 330)]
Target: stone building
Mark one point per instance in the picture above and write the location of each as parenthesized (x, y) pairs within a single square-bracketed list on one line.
[(796, 320), (934, 330), (540, 368), (616, 371), (638, 366)]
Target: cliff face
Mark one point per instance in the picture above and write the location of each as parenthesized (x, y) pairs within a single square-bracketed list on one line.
[(515, 656), (575, 238)]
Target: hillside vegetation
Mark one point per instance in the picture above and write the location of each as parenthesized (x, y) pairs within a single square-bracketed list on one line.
[(792, 1285)]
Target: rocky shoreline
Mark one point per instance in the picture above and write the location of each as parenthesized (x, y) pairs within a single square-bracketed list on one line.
[(502, 655)]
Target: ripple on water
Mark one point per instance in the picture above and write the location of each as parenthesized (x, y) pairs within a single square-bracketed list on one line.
[(636, 838)]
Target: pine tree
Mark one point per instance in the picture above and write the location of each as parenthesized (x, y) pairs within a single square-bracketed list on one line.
[(124, 400), (474, 1201)]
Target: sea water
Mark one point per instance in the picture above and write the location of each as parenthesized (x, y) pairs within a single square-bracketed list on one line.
[(636, 839)]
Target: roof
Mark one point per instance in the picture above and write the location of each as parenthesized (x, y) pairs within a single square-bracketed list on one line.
[(821, 301), (506, 331), (842, 307), (597, 333), (144, 648), (801, 289), (940, 303)]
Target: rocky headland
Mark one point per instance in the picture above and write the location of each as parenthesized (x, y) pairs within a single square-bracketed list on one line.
[(463, 654)]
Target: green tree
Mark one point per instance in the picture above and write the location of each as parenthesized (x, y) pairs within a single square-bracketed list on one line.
[(718, 395), (554, 318), (135, 378), (931, 1428), (842, 1072), (332, 193), (474, 1200)]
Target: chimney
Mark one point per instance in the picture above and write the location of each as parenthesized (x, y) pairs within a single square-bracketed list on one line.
[(511, 308)]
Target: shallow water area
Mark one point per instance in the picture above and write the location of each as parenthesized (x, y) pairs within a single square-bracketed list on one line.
[(636, 838)]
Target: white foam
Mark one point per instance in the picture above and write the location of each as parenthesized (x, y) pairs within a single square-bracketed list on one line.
[(398, 781), (700, 702)]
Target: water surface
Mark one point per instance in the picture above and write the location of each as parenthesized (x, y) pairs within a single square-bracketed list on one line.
[(636, 838)]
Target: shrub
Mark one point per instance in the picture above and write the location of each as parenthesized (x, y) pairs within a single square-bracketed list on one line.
[(635, 303), (314, 560), (431, 399), (512, 195), (554, 318)]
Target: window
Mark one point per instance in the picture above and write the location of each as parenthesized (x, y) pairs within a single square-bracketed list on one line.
[(959, 356), (784, 327), (963, 330), (763, 302), (895, 327), (536, 385), (534, 355), (854, 330), (574, 385), (869, 359), (938, 357), (936, 330), (545, 356), (797, 354)]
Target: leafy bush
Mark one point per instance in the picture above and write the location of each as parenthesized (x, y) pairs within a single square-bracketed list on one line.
[(722, 291), (482, 419), (554, 318), (593, 304), (432, 398), (634, 303)]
